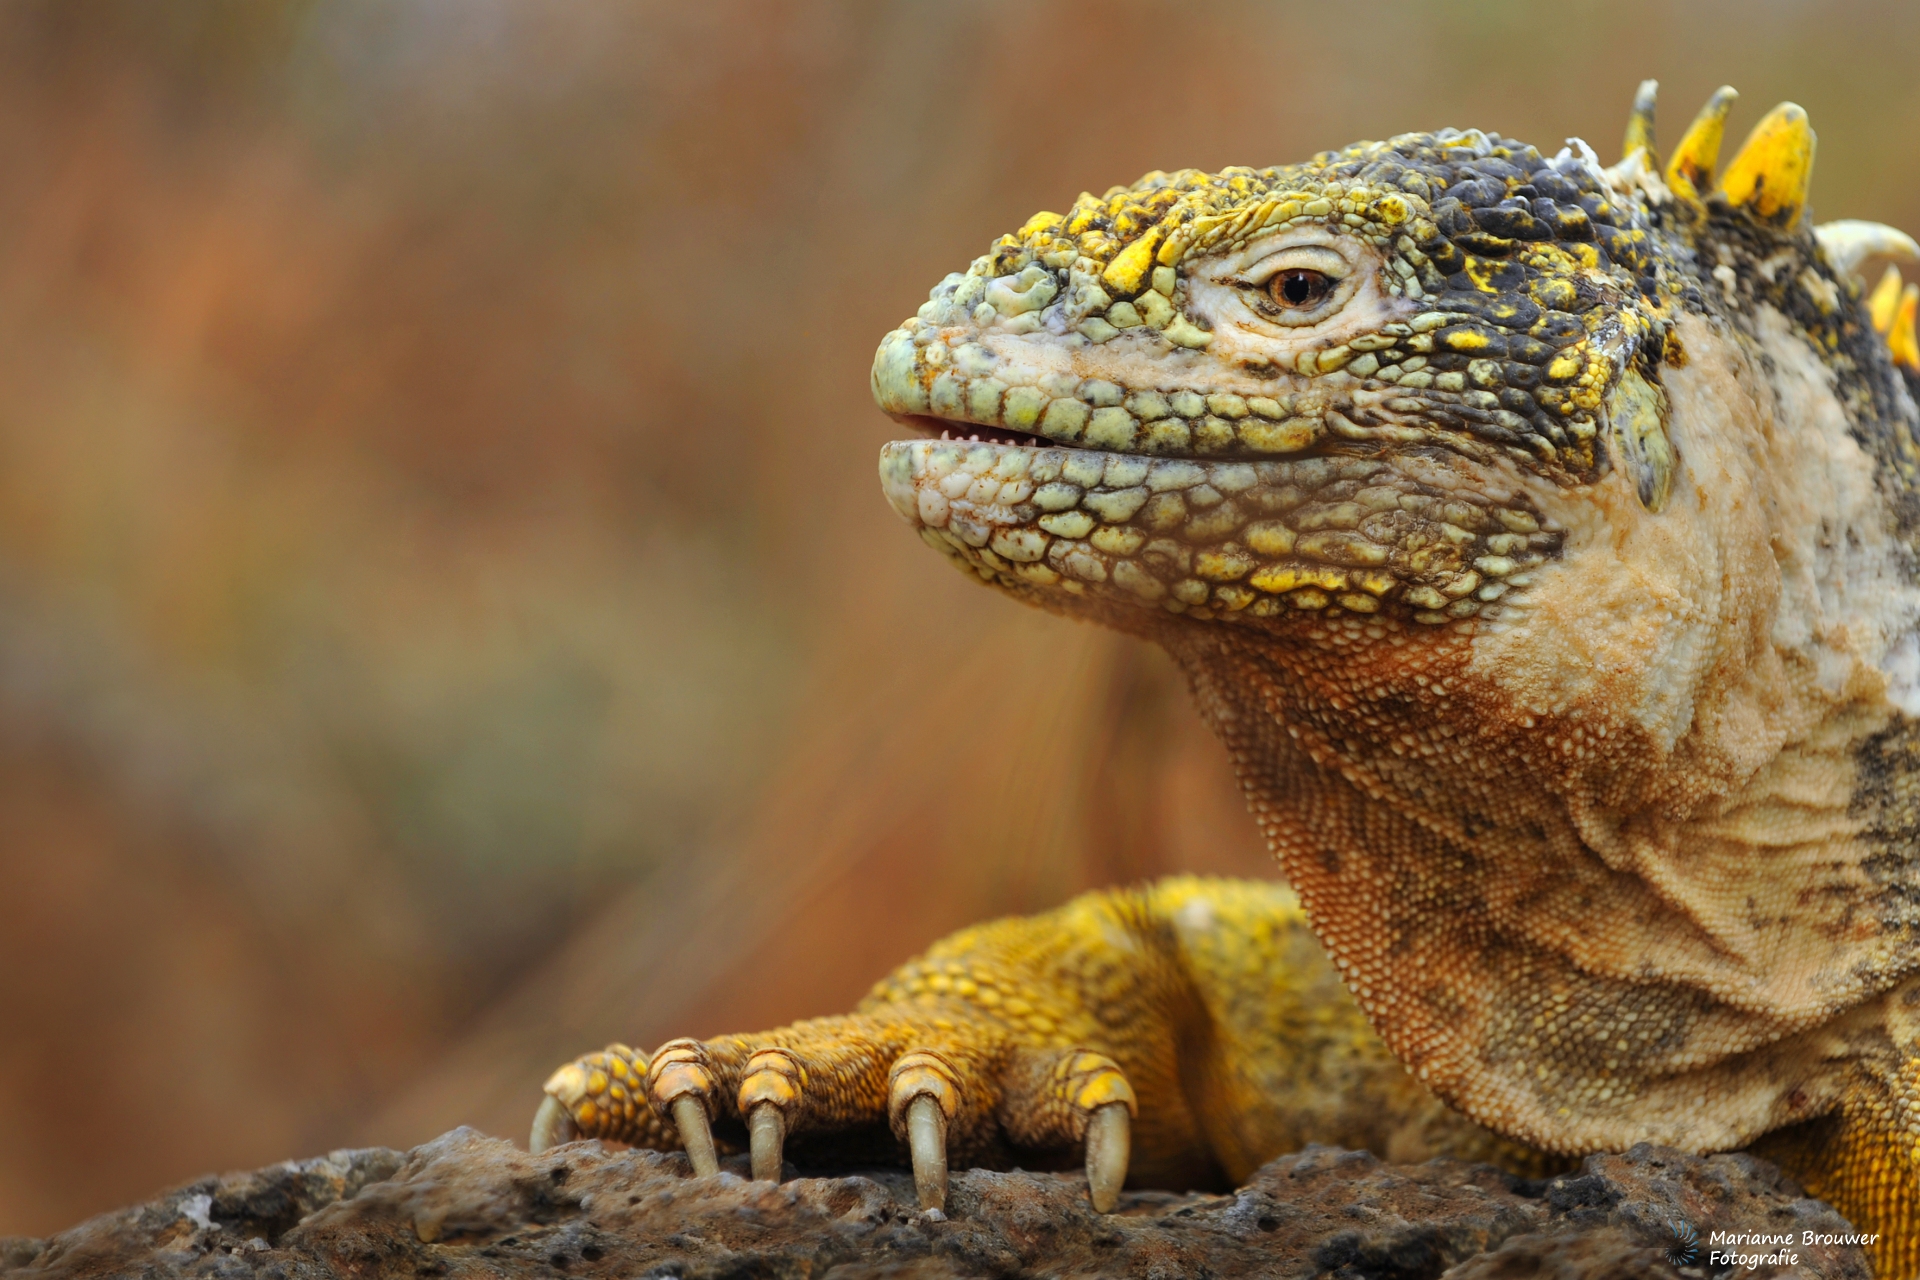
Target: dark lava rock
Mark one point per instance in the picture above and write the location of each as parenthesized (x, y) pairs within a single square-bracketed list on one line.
[(469, 1205)]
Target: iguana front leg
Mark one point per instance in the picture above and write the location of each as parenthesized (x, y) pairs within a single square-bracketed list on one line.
[(1864, 1157), (1183, 1033)]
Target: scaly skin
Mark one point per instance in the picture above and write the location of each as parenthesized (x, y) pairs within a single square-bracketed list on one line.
[(1542, 541)]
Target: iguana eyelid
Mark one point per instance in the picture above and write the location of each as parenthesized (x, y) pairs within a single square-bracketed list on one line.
[(1299, 257), (1325, 259)]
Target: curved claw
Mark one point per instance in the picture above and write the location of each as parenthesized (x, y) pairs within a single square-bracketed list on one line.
[(552, 1125), (927, 1138), (767, 1132), (696, 1135), (1109, 1147)]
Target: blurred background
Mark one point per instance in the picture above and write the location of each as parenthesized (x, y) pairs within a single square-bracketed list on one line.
[(448, 618)]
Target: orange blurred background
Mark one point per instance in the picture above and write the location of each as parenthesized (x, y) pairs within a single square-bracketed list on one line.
[(448, 618)]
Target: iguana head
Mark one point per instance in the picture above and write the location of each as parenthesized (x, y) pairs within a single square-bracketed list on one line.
[(1308, 392), (1515, 519)]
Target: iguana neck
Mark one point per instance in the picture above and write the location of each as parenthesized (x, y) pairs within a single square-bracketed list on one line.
[(1662, 833)]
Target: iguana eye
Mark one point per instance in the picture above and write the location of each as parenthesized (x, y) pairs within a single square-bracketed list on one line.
[(1298, 284), (1298, 287)]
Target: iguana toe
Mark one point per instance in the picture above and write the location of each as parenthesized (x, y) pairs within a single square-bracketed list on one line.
[(600, 1095), (769, 1092), (681, 1082)]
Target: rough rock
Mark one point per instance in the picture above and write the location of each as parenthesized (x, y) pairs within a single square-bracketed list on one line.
[(469, 1205)]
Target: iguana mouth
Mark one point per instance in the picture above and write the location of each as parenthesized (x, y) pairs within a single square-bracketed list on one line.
[(933, 428), (929, 427)]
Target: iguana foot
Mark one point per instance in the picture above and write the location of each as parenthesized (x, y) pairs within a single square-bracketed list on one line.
[(1179, 1034), (935, 1087)]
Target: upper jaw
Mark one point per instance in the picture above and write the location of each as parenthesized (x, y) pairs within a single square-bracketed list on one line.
[(1041, 390), (1243, 393), (1393, 385)]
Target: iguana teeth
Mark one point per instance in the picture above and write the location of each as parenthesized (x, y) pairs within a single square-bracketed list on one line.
[(1884, 303), (1690, 173), (1770, 175), (1640, 123), (1850, 242)]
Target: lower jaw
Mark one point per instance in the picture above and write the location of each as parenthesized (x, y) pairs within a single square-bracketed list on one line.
[(1365, 537)]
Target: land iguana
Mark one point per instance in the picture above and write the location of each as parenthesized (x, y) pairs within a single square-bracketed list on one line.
[(1543, 541)]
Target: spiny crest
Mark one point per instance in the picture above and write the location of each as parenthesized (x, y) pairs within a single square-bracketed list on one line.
[(1892, 308), (1769, 180), (1690, 172), (1770, 174)]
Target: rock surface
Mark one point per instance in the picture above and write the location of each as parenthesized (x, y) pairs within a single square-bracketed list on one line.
[(469, 1205)]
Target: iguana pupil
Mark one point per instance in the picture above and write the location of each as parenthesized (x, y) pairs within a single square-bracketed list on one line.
[(1300, 288)]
